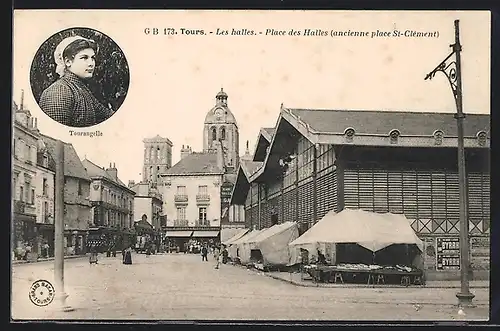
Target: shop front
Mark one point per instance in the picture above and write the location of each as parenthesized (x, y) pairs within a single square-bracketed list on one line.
[(45, 239), (23, 234), (75, 242), (177, 240)]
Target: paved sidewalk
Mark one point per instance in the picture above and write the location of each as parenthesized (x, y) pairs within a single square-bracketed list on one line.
[(295, 279), (67, 257), (47, 259)]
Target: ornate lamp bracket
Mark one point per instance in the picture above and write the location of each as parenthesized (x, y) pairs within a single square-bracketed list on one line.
[(449, 69)]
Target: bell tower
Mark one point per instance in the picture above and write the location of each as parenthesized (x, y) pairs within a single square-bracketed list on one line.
[(157, 158), (220, 126)]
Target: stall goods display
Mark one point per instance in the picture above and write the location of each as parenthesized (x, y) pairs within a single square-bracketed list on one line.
[(365, 267), (358, 266)]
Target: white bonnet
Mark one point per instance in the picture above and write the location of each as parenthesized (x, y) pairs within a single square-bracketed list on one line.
[(58, 53)]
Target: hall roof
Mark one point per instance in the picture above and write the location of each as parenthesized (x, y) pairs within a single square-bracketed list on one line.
[(375, 128), (382, 122), (263, 140)]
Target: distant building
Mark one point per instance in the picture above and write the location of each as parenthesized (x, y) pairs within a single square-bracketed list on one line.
[(191, 197), (24, 172), (157, 158), (112, 201), (148, 204), (197, 190), (220, 126), (77, 207), (45, 199)]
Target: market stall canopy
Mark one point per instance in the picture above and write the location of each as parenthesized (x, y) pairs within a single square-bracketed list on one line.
[(237, 236), (205, 234), (274, 244), (228, 233), (374, 231), (179, 234), (246, 238), (272, 231)]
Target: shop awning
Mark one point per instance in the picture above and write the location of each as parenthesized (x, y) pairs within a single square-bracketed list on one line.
[(179, 234), (205, 234)]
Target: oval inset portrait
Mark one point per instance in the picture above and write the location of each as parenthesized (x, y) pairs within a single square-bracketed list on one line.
[(79, 77)]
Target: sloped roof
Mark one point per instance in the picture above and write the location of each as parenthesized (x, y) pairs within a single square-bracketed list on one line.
[(269, 132), (196, 163), (93, 170), (250, 167), (382, 122), (73, 167)]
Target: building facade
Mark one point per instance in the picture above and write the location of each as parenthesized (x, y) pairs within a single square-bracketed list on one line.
[(112, 201), (191, 197), (45, 198), (157, 158), (77, 207), (24, 177), (148, 204), (398, 162)]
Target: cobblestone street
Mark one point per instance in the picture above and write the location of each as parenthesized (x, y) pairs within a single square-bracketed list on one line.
[(174, 287)]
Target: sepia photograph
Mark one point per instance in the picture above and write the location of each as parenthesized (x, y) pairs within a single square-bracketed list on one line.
[(77, 81), (250, 166)]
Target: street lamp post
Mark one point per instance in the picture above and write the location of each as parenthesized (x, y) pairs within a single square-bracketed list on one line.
[(452, 71), (59, 228)]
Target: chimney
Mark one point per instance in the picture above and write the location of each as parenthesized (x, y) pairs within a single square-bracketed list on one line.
[(112, 171), (185, 151), (131, 183)]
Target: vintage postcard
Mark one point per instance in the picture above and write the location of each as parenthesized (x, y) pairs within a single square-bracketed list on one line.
[(250, 165)]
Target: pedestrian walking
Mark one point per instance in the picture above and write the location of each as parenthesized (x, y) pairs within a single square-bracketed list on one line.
[(46, 249), (93, 255), (204, 253), (128, 256), (218, 258), (225, 254)]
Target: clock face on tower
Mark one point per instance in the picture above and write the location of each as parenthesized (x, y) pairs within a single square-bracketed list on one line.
[(218, 113)]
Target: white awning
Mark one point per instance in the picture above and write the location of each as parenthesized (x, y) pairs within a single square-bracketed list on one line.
[(205, 234), (177, 234)]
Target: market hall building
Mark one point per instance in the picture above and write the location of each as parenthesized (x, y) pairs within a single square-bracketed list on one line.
[(379, 161)]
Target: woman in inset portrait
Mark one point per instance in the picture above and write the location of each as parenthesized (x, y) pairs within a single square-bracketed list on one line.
[(69, 99)]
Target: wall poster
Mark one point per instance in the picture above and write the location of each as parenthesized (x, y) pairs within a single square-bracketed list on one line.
[(448, 253)]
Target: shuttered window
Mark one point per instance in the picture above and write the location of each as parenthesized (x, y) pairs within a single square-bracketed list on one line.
[(420, 194), (479, 198), (380, 191), (306, 202)]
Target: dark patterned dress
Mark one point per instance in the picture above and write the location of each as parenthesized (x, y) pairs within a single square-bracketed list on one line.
[(70, 102)]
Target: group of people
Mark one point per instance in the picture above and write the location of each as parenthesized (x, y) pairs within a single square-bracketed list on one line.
[(220, 254), (126, 255)]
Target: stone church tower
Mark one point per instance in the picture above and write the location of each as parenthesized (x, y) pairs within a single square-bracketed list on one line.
[(220, 126), (157, 158)]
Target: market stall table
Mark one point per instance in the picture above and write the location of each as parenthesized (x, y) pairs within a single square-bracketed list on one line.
[(373, 273)]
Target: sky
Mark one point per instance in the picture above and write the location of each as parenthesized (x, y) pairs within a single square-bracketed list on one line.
[(174, 79)]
